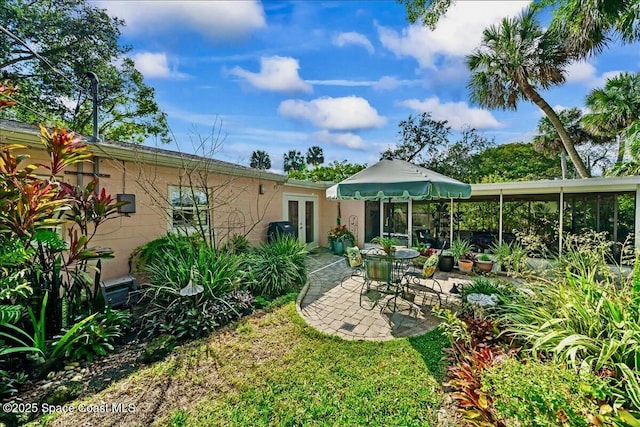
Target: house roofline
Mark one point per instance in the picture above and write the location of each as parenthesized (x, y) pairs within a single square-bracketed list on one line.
[(555, 186), (29, 135)]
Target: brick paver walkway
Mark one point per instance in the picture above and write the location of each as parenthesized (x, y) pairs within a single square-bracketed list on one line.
[(331, 303)]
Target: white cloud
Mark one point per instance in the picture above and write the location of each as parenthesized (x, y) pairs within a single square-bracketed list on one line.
[(154, 65), (343, 114), (587, 74), (353, 38), (383, 83), (344, 139), (220, 20), (458, 114), (457, 33), (277, 73)]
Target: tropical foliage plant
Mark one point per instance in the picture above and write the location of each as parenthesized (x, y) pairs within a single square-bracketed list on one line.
[(584, 317), (554, 395), (39, 271), (188, 287)]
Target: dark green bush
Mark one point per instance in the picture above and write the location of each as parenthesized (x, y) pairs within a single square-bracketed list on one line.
[(192, 290), (196, 316), (152, 252), (96, 337), (540, 394), (238, 244), (277, 267)]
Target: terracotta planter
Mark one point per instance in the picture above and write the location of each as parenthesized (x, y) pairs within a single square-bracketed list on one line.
[(465, 266), (484, 266)]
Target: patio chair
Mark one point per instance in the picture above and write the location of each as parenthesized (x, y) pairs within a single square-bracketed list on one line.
[(355, 262), (424, 282), (377, 281)]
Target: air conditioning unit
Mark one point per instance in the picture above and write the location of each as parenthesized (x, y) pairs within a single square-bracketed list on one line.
[(116, 291)]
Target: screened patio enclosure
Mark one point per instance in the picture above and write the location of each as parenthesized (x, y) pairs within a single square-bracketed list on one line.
[(608, 205)]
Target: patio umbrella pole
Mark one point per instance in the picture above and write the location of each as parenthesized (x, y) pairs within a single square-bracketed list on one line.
[(389, 217)]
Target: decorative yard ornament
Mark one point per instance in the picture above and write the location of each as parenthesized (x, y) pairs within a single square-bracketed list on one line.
[(192, 288)]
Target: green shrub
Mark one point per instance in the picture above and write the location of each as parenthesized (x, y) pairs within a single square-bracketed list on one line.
[(585, 322), (481, 285), (172, 268), (539, 394), (238, 244), (96, 337), (277, 267), (152, 252)]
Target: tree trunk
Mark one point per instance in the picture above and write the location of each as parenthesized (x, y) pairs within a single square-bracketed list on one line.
[(621, 149), (563, 163), (569, 147)]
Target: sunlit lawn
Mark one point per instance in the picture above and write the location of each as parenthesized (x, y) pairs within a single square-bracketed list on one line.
[(273, 369)]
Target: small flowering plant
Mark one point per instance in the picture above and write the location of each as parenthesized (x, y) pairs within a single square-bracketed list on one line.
[(340, 233)]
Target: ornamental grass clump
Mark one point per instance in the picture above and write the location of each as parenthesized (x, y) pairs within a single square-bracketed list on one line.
[(277, 267)]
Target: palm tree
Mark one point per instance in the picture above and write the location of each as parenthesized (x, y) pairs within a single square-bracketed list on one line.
[(260, 160), (315, 156), (588, 25), (615, 108), (293, 160), (632, 166), (514, 60), (548, 141)]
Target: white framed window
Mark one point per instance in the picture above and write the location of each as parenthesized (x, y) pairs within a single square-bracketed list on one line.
[(189, 207)]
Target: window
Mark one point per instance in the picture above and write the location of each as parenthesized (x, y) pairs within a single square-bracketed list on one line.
[(189, 208)]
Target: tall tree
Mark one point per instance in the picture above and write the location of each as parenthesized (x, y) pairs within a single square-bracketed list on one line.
[(293, 161), (615, 108), (458, 160), (514, 61), (260, 160), (315, 156), (425, 142), (420, 138), (631, 166), (548, 141), (588, 25), (516, 161), (334, 172), (46, 49)]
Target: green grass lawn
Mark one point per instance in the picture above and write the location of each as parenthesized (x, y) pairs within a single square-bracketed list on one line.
[(273, 369)]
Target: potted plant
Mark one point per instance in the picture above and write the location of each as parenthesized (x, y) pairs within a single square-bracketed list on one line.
[(447, 261), (459, 248), (340, 238), (423, 248), (347, 238), (502, 252), (484, 263), (388, 243), (466, 262)]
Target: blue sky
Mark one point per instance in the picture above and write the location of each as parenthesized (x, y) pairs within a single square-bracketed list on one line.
[(339, 74)]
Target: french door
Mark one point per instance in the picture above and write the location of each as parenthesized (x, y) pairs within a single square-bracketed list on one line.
[(302, 211)]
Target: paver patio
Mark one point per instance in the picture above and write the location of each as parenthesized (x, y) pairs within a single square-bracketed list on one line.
[(330, 302)]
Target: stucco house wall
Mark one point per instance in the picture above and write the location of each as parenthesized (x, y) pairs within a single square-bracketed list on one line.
[(244, 201)]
